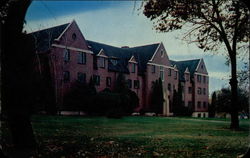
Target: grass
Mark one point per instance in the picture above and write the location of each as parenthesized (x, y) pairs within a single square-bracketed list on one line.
[(61, 136)]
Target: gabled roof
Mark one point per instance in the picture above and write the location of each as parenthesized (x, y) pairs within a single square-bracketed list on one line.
[(44, 38), (182, 65), (142, 55)]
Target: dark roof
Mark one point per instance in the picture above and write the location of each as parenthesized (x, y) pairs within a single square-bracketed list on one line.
[(182, 65), (44, 38), (142, 55)]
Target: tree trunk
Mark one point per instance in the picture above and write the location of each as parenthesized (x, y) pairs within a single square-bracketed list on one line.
[(16, 66), (234, 101)]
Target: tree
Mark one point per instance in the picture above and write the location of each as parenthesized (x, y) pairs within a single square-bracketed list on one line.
[(223, 100), (179, 109), (211, 107), (129, 99), (17, 58), (121, 84), (157, 97), (211, 23)]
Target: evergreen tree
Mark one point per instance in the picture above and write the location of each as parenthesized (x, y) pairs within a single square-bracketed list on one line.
[(211, 108), (157, 98)]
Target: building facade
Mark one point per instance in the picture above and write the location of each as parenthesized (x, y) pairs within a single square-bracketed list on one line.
[(71, 57)]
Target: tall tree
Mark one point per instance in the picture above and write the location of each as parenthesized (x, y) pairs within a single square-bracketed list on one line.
[(212, 24), (211, 108), (17, 67), (157, 98)]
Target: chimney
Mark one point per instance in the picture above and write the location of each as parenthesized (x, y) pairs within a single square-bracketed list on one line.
[(124, 46)]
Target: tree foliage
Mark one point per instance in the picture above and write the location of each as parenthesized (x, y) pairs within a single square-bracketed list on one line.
[(116, 103), (211, 22), (223, 100)]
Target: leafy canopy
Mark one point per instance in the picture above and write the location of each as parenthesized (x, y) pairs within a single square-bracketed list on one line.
[(211, 22)]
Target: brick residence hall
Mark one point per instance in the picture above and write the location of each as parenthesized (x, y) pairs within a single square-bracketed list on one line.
[(72, 57)]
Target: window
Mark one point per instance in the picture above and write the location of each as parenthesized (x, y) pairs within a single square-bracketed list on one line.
[(169, 87), (169, 72), (175, 75), (81, 77), (204, 105), (204, 91), (189, 90), (66, 55), (204, 115), (108, 81), (96, 79), (153, 68), (66, 76), (133, 68), (204, 79), (187, 77), (162, 73), (199, 114), (102, 62), (74, 36), (81, 58), (199, 90), (136, 84), (199, 104), (113, 61), (129, 82), (202, 67), (199, 78)]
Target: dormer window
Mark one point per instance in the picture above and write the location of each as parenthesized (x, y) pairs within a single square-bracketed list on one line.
[(113, 61), (133, 68), (175, 75), (187, 77), (199, 78), (74, 36), (202, 67), (102, 62)]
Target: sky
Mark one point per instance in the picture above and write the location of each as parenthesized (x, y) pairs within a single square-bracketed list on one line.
[(122, 23)]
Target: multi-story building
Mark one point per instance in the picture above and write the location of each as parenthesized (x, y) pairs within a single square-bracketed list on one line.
[(71, 57)]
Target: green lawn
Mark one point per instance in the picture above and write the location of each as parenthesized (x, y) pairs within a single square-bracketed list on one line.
[(61, 136)]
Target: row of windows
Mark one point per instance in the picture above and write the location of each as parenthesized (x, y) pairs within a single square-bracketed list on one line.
[(199, 91), (81, 77), (199, 104), (136, 84), (162, 72), (199, 78), (81, 57)]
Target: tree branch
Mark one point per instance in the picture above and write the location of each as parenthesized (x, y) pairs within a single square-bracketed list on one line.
[(222, 32)]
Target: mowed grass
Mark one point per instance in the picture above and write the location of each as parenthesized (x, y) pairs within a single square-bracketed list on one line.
[(65, 136)]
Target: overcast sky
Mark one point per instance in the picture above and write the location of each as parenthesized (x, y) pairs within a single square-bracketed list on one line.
[(122, 24)]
